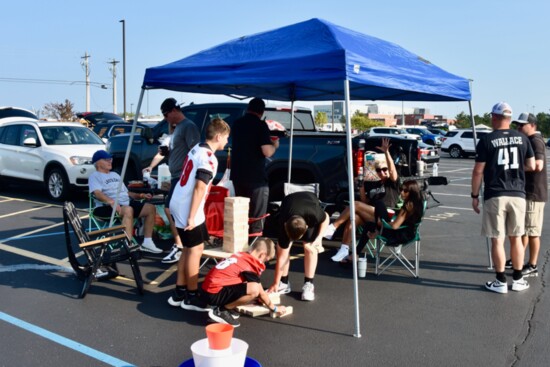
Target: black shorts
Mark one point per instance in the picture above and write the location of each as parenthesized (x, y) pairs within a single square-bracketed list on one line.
[(194, 237), (106, 210), (226, 295)]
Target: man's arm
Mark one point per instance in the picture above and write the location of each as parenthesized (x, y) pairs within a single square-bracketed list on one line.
[(99, 195), (282, 260), (322, 227), (269, 149), (530, 164), (477, 177)]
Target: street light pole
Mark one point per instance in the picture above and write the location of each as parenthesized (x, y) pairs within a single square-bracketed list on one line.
[(113, 70), (124, 64)]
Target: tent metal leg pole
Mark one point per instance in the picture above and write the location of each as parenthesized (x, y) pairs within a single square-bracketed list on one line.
[(352, 208), (291, 140)]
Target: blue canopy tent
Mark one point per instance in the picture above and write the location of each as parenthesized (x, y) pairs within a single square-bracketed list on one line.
[(313, 60)]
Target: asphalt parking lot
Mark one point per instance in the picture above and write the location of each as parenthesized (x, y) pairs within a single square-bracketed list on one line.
[(443, 318)]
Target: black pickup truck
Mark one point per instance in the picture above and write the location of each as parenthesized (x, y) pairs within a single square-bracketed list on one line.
[(316, 156)]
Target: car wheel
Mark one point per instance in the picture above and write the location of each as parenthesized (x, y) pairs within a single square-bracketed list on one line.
[(455, 151), (57, 184)]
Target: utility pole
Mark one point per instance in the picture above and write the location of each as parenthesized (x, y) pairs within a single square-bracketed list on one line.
[(113, 62), (87, 71), (124, 64)]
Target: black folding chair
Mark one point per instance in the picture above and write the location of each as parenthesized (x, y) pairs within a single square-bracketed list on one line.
[(99, 249)]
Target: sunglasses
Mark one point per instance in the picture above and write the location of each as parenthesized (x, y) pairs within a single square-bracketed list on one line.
[(385, 169), (405, 190)]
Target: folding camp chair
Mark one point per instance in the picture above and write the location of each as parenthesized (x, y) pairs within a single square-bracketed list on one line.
[(398, 251), (101, 248)]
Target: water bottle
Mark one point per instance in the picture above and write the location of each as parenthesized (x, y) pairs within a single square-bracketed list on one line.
[(435, 170), (146, 178)]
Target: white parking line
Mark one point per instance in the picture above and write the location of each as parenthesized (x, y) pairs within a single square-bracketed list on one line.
[(25, 211)]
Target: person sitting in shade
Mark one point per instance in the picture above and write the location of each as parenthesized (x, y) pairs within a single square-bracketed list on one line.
[(104, 184)]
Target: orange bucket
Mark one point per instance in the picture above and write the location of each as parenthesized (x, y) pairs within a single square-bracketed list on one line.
[(219, 335)]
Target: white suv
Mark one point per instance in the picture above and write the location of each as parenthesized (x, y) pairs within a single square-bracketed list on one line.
[(58, 154), (392, 131), (460, 143)]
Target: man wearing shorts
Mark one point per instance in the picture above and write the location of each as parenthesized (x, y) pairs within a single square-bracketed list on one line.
[(502, 157), (301, 217), (104, 185), (536, 187), (236, 281), (187, 209)]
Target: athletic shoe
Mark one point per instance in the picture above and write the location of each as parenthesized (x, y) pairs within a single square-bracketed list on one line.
[(223, 316), (497, 286), (150, 248), (530, 271), (329, 232), (234, 313), (195, 304), (308, 292), (173, 256), (177, 298), (341, 254), (508, 264), (520, 285), (284, 288)]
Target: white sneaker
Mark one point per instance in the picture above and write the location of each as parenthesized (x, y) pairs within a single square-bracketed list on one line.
[(173, 256), (520, 285), (497, 286), (329, 232), (341, 254), (283, 288), (308, 292), (151, 247)]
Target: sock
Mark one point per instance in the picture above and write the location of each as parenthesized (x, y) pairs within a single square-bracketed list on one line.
[(192, 293), (148, 241), (517, 275), (181, 290), (284, 279), (344, 246), (501, 277), (306, 279), (533, 266)]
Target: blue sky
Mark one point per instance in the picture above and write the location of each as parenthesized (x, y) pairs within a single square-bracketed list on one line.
[(503, 45)]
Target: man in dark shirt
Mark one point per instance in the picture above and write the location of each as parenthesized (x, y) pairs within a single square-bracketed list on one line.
[(251, 145), (536, 188), (502, 157), (301, 217)]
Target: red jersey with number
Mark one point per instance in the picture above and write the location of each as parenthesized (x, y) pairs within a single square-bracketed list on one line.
[(200, 159), (228, 272)]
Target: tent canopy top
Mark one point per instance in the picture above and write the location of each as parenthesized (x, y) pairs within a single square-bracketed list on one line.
[(309, 61)]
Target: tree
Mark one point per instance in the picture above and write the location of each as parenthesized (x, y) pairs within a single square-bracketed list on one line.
[(361, 122), (321, 119), (463, 120), (60, 111), (543, 123)]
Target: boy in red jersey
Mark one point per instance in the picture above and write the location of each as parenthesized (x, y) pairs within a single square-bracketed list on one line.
[(236, 281)]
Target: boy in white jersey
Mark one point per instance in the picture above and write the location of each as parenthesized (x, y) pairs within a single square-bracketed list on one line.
[(187, 209)]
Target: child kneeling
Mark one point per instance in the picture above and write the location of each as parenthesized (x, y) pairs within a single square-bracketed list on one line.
[(236, 281)]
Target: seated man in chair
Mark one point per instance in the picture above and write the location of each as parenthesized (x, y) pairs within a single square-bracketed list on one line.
[(104, 185)]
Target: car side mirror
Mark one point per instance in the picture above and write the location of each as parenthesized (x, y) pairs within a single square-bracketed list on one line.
[(30, 142), (147, 133)]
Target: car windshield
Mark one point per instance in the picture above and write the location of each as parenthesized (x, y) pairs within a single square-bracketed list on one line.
[(69, 135)]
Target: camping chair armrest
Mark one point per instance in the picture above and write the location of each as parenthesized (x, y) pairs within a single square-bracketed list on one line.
[(103, 241), (252, 220), (388, 225), (100, 232)]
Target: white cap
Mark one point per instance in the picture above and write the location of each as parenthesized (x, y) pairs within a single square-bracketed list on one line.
[(502, 108)]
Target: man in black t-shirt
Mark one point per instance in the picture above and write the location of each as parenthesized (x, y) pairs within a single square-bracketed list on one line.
[(536, 188), (251, 145), (301, 217), (502, 157)]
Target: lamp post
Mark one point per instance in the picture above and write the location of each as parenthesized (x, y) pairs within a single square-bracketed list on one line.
[(124, 64)]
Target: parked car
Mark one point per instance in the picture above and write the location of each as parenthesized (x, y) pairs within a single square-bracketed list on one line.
[(460, 142), (94, 118), (57, 154), (112, 128), (14, 113), (427, 136), (392, 131)]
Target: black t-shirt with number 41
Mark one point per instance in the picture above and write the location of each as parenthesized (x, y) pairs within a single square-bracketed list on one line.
[(504, 153)]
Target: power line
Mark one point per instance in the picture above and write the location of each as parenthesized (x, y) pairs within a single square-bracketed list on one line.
[(53, 81)]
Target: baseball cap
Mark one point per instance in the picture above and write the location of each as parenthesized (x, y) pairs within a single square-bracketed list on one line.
[(525, 118), (100, 154), (168, 105), (502, 108)]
